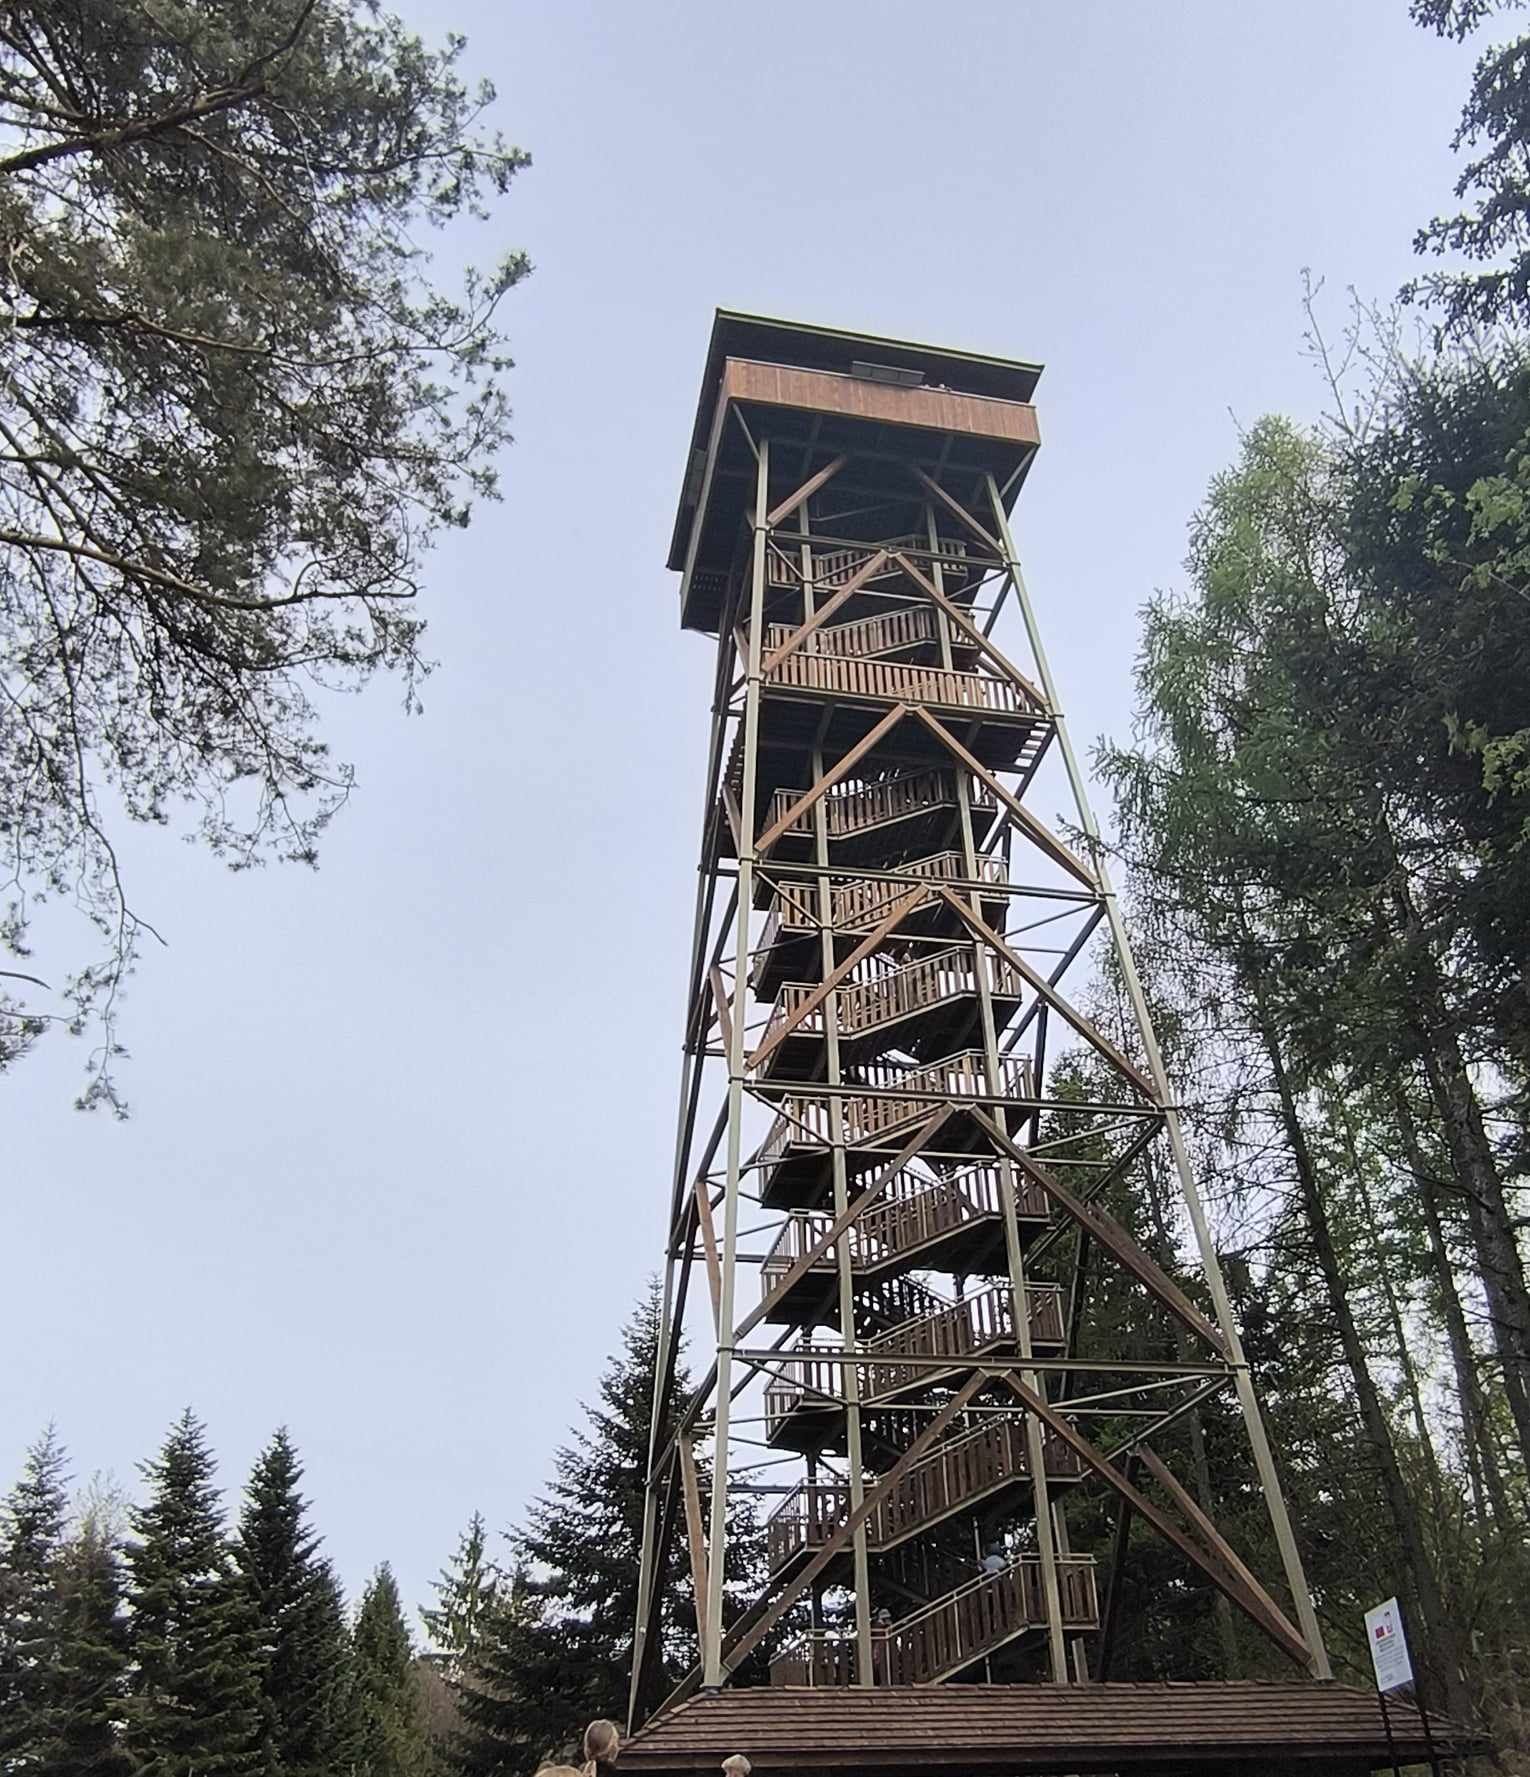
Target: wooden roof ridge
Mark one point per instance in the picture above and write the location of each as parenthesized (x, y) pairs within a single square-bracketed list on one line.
[(1219, 1725)]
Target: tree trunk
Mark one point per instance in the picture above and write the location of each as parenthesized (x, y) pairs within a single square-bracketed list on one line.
[(1439, 1631), (1489, 1498), (1394, 1311)]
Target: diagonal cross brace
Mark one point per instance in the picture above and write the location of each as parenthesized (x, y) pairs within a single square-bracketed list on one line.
[(831, 777), (1110, 1235), (1097, 1039), (973, 633), (904, 905), (1257, 1608), (824, 612), (766, 1613), (924, 1133), (809, 487), (1038, 835), (960, 512)]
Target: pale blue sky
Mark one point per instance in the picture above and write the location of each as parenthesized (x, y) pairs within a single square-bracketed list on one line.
[(399, 1158)]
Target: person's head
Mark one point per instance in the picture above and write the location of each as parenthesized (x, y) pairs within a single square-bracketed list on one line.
[(996, 1548), (737, 1766), (602, 1743)]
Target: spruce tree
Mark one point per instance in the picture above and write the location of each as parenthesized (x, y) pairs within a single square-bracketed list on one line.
[(193, 1708), (299, 1617), (390, 1718), (88, 1658), (465, 1592), (555, 1650), (31, 1529)]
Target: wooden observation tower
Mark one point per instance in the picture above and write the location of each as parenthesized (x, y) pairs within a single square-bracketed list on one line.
[(886, 938)]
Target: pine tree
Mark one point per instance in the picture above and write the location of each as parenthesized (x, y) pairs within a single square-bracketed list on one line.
[(193, 1708), (390, 1719), (31, 1529), (300, 1618), (88, 1658)]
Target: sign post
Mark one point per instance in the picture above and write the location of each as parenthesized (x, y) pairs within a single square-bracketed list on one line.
[(1393, 1665)]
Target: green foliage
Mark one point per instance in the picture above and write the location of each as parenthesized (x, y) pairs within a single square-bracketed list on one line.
[(237, 410), (554, 1651), (193, 1708), (304, 1649), (88, 1660), (391, 1727), (1494, 225), (465, 1594), (31, 1533)]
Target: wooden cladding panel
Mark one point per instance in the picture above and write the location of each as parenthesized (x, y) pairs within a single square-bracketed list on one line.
[(933, 410)]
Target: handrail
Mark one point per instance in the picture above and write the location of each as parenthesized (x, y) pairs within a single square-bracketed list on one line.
[(964, 1329), (950, 1632), (833, 567), (878, 994), (911, 1210), (963, 1075), (856, 804), (892, 681), (909, 626), (955, 1473), (861, 901)]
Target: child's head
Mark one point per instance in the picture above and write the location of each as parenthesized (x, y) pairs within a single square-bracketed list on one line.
[(602, 1743)]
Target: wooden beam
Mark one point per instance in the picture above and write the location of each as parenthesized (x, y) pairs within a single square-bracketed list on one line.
[(831, 777), (709, 1247), (973, 633), (824, 612), (1276, 1627), (735, 816), (809, 487), (691, 1491), (1219, 1545), (904, 905), (1032, 828), (842, 1223), (961, 513), (1095, 1038), (720, 1002), (1110, 1235)]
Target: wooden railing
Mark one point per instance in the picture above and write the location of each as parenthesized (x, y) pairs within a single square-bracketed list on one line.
[(857, 905), (879, 993), (910, 1211), (853, 806), (804, 1118), (952, 1632), (951, 1476), (833, 567), (977, 1323), (893, 681), (812, 1372), (912, 626)]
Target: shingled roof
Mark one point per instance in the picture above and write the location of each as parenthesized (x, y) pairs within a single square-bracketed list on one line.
[(1190, 1730)]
